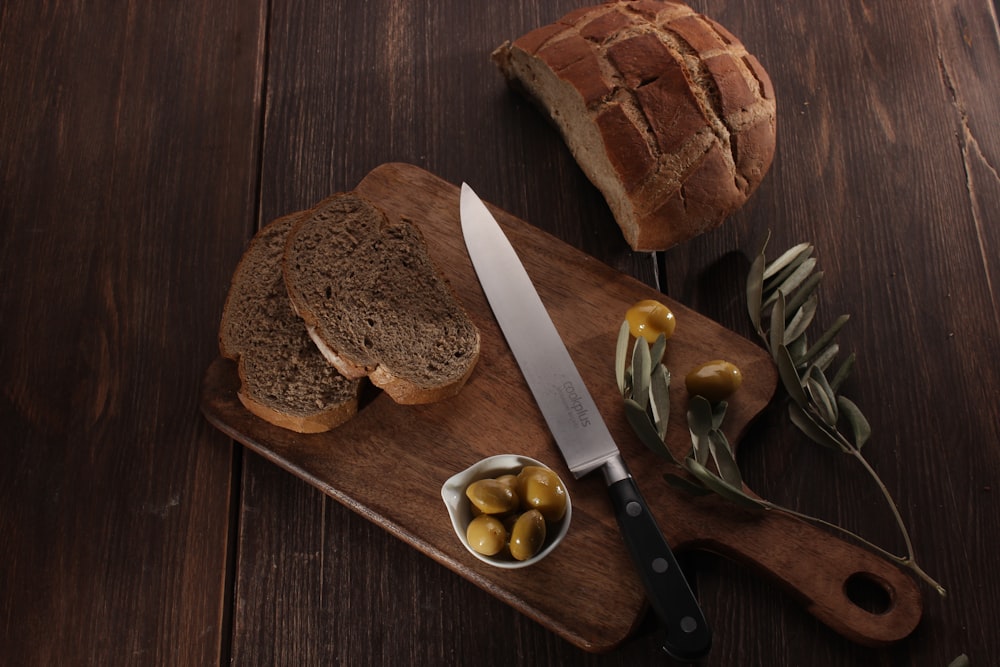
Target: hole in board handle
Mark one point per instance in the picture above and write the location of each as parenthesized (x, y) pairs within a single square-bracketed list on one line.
[(869, 592)]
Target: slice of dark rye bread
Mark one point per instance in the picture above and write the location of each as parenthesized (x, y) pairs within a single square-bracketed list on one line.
[(285, 379), (375, 303)]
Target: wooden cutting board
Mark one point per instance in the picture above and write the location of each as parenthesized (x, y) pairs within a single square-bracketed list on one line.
[(389, 462)]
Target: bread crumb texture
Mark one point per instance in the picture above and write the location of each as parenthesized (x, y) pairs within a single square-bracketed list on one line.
[(371, 294), (663, 108), (284, 377)]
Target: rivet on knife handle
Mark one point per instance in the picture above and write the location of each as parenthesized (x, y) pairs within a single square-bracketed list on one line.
[(688, 634)]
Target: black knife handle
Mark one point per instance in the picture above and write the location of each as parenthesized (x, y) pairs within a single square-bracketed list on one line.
[(688, 635)]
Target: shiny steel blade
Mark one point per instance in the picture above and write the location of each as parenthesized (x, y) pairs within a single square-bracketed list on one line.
[(568, 408)]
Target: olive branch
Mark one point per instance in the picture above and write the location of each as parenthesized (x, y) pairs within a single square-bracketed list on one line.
[(784, 293), (644, 384)]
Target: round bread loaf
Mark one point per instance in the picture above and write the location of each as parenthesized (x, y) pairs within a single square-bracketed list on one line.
[(664, 110)]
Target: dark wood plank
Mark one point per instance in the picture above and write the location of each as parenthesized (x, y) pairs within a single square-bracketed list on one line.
[(128, 171), (130, 152), (332, 116), (351, 87), (886, 161), (861, 101)]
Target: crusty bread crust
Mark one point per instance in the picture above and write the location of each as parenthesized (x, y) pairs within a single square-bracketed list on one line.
[(318, 422), (343, 366), (663, 109), (406, 392)]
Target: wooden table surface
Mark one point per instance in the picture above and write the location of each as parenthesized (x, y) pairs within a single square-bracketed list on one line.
[(141, 144)]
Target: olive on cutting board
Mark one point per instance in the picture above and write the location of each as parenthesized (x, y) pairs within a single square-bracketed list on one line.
[(715, 380), (650, 318)]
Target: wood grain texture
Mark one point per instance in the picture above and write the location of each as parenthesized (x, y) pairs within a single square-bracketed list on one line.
[(388, 463), (586, 592), (833, 171), (115, 248), (881, 164), (139, 147)]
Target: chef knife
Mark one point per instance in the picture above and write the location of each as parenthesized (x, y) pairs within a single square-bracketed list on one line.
[(576, 424)]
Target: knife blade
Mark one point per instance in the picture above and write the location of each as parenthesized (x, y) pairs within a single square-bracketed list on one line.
[(576, 424)]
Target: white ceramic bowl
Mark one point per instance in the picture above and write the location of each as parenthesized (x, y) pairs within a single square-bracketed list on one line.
[(460, 509)]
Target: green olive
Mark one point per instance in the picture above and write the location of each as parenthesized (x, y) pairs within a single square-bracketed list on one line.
[(490, 496), (509, 481), (715, 380), (649, 318), (486, 535), (527, 535), (541, 489)]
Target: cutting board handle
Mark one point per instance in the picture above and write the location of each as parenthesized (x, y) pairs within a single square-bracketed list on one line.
[(851, 589)]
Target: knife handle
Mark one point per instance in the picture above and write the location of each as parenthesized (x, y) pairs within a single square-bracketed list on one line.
[(688, 634)]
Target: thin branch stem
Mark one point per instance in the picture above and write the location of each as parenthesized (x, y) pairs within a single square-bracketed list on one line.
[(903, 561), (888, 499), (758, 299)]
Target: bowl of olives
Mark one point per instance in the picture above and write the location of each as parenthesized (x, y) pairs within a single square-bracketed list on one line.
[(508, 510)]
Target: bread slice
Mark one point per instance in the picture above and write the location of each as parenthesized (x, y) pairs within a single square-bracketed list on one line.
[(284, 377), (374, 302), (664, 110)]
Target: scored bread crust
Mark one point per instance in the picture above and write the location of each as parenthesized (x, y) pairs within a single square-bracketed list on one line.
[(664, 110), (372, 300), (283, 377)]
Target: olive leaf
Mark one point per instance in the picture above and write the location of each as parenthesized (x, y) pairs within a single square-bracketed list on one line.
[(725, 461), (755, 291), (701, 420), (825, 341), (822, 396), (641, 365), (827, 357), (803, 317), (790, 290), (784, 294), (659, 398), (718, 413), (621, 349), (805, 292), (790, 376), (793, 281), (777, 335), (709, 442), (812, 428), (721, 486), (639, 420), (700, 425), (645, 388), (797, 349), (792, 257), (657, 350), (843, 372), (859, 424)]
